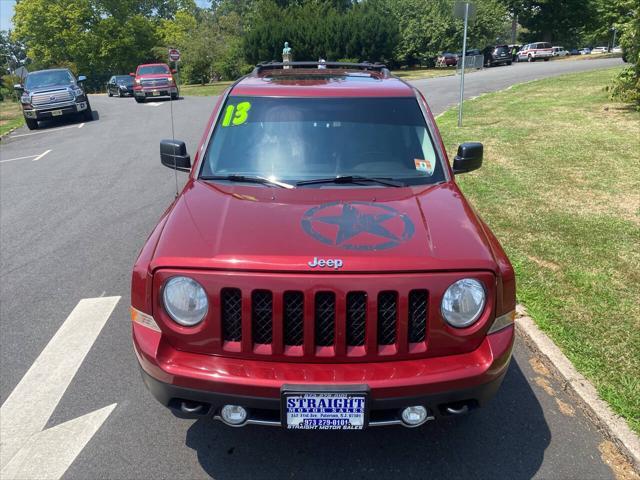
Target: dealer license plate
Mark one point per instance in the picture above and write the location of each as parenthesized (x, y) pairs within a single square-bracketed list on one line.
[(156, 93), (324, 410), (56, 113)]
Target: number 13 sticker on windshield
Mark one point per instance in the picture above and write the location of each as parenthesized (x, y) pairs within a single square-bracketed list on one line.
[(236, 114)]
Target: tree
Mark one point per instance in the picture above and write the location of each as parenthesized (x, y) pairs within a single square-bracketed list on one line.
[(558, 21), (428, 27)]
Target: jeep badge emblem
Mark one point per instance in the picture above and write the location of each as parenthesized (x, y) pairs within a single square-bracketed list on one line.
[(52, 98), (329, 262)]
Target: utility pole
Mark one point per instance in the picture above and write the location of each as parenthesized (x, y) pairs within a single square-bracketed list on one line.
[(463, 10)]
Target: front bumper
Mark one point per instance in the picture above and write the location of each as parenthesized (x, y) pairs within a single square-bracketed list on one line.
[(155, 92), (54, 111), (444, 385)]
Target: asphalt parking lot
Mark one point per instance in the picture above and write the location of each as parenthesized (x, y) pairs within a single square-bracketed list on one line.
[(78, 201)]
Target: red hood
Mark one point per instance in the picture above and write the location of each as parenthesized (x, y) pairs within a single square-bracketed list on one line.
[(379, 229)]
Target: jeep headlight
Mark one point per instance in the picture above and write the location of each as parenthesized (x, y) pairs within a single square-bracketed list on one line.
[(463, 303), (77, 91), (185, 301), (25, 99)]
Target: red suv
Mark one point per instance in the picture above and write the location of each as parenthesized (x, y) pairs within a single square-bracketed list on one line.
[(154, 80), (321, 269)]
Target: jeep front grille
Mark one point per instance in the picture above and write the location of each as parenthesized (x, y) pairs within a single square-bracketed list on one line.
[(339, 321), (232, 314), (293, 314)]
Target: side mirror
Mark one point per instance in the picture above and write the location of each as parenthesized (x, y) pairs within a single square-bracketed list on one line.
[(18, 88), (469, 157), (173, 154), (132, 74), (81, 78), (173, 70)]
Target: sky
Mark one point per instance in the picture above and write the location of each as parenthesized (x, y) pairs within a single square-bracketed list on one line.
[(6, 11)]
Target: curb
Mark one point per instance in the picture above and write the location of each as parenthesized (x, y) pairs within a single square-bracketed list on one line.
[(612, 425)]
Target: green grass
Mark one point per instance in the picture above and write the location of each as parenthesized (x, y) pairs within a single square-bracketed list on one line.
[(560, 187), (210, 89), (418, 73), (10, 116)]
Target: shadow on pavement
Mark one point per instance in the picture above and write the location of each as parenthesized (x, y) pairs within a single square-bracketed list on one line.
[(507, 439), (66, 120)]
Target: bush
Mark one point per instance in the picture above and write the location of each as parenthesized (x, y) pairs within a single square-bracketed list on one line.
[(626, 87), (6, 87)]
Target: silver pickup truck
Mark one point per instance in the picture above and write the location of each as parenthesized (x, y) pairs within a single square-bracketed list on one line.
[(53, 93)]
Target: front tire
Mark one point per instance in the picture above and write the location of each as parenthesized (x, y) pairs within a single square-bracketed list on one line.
[(508, 63), (530, 59), (109, 94), (139, 100), (546, 59), (87, 115), (31, 123)]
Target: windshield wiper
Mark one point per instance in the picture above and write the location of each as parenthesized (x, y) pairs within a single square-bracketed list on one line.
[(248, 179), (352, 179)]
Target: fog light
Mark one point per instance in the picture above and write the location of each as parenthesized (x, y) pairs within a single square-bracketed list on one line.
[(233, 414), (414, 416)]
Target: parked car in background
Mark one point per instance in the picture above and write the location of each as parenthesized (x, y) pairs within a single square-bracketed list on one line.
[(497, 55), (48, 94), (585, 51), (470, 52), (600, 50), (574, 51), (560, 52), (154, 80), (447, 59), (535, 51), (616, 50), (120, 86)]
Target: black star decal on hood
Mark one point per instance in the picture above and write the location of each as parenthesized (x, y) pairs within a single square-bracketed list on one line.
[(352, 222)]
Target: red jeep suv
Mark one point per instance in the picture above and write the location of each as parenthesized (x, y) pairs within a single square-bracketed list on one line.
[(154, 80), (321, 269)]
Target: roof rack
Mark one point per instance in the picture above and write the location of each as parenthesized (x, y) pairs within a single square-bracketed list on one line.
[(377, 67)]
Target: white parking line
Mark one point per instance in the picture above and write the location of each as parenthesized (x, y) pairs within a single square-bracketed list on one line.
[(40, 156), (154, 104), (26, 450), (17, 158), (46, 131), (35, 157)]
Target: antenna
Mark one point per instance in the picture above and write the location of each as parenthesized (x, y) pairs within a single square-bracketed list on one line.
[(174, 55)]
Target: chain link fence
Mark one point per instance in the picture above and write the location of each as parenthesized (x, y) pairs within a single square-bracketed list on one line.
[(471, 62)]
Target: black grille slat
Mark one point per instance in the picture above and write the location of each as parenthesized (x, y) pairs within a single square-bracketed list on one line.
[(293, 318), (356, 318), (418, 301), (261, 316), (325, 310), (231, 314), (387, 314)]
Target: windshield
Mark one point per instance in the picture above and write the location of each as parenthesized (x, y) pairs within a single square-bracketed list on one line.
[(153, 69), (48, 78), (124, 80), (295, 139), (501, 50)]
